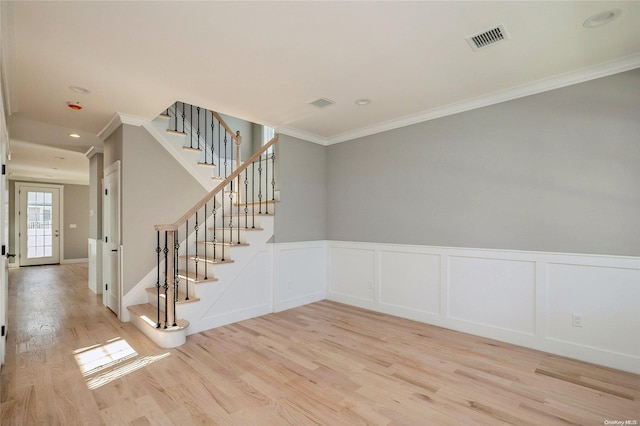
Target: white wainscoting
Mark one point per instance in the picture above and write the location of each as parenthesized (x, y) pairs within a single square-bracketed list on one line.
[(95, 265), (524, 298), (299, 274)]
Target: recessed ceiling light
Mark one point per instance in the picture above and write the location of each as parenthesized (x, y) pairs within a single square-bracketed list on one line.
[(48, 175), (74, 135), (601, 18), (79, 89), (59, 158), (363, 102)]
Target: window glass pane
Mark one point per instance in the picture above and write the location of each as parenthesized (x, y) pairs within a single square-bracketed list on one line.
[(39, 221)]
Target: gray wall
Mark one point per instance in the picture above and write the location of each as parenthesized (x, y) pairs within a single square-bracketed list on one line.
[(558, 171), (156, 189), (76, 210), (96, 166), (301, 214)]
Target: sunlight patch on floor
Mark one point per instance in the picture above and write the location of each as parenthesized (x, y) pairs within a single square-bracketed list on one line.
[(101, 364)]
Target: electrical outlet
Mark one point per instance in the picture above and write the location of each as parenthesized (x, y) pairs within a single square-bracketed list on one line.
[(577, 320)]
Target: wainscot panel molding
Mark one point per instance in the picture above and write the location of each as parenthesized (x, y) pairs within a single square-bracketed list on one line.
[(531, 299), (95, 265), (299, 274)]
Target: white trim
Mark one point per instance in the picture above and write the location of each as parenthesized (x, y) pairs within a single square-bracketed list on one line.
[(82, 260), (555, 82), (16, 221), (118, 119), (309, 137), (177, 155), (514, 296), (93, 151)]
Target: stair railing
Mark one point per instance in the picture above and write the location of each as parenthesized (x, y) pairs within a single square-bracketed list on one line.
[(223, 213), (203, 129)]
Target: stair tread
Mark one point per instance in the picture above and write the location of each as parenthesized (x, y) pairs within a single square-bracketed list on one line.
[(165, 116), (256, 203), (196, 279), (200, 163), (181, 295), (210, 243), (218, 228), (190, 148), (149, 314), (176, 132), (209, 260)]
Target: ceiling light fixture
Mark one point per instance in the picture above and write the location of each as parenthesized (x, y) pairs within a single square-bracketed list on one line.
[(80, 90), (601, 18), (74, 135), (363, 102), (59, 158)]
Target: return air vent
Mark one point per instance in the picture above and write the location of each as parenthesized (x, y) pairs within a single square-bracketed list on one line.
[(322, 102), (487, 38)]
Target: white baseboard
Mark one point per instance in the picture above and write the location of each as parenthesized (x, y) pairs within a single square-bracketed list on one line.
[(67, 261)]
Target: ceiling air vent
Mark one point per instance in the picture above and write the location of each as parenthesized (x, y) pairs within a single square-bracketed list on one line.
[(322, 102), (488, 37)]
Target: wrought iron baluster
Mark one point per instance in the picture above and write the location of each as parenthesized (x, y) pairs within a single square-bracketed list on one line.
[(222, 228), (246, 197), (186, 249), (197, 259), (215, 237), (260, 184), (175, 116), (191, 121), (253, 194), (166, 282), (219, 140), (184, 116), (226, 175), (198, 128), (212, 142), (238, 188), (273, 176), (158, 251), (205, 241), (176, 278), (231, 214), (266, 187)]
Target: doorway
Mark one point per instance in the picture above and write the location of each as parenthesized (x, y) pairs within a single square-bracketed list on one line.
[(39, 224), (111, 251)]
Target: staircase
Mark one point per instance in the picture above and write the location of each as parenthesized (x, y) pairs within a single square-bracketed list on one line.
[(208, 261)]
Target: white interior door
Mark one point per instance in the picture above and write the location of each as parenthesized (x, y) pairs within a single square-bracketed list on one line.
[(111, 239), (39, 219)]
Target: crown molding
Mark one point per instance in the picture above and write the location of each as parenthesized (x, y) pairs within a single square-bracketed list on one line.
[(93, 151), (556, 82), (300, 134), (116, 121)]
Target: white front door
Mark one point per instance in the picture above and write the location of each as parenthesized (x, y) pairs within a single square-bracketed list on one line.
[(111, 242), (39, 221)]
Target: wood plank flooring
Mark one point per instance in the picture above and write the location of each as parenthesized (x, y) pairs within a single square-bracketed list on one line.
[(321, 364)]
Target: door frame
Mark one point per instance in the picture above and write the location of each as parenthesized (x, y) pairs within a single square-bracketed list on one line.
[(113, 169), (18, 187)]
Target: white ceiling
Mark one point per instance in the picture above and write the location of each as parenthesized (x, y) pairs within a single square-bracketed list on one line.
[(266, 61)]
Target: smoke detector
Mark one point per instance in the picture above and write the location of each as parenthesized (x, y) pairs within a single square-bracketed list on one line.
[(488, 37)]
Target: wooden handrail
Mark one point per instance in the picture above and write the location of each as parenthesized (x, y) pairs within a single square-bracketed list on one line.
[(235, 136), (217, 189)]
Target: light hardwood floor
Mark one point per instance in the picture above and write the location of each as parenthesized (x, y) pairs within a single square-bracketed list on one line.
[(324, 363)]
